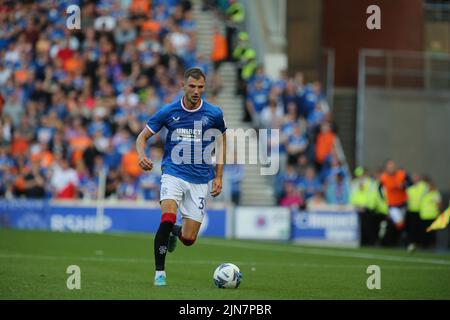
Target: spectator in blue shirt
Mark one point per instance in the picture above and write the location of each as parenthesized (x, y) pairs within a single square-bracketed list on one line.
[(112, 157), (296, 144), (257, 100), (310, 184), (338, 189), (261, 76), (235, 174), (281, 83), (331, 167), (311, 97), (291, 175), (128, 189), (88, 187), (150, 185), (98, 124), (160, 13), (289, 96), (315, 117)]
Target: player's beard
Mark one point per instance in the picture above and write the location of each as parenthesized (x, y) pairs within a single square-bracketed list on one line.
[(194, 100)]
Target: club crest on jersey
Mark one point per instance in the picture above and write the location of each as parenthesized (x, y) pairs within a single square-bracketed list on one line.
[(205, 121)]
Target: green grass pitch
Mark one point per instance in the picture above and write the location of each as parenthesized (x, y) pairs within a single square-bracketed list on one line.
[(120, 266)]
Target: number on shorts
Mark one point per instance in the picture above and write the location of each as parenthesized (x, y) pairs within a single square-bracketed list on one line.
[(202, 203)]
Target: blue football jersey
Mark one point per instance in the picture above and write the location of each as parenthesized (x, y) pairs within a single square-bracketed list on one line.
[(187, 151)]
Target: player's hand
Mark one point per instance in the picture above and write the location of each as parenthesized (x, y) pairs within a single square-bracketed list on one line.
[(145, 164), (216, 186)]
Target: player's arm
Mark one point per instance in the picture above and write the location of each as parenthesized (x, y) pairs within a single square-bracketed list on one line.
[(221, 148), (141, 142)]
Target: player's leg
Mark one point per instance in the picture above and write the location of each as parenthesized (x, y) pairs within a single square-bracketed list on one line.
[(189, 231), (168, 218), (171, 195), (192, 209)]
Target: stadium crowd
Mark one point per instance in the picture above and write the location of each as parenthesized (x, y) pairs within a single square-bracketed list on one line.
[(73, 101), (310, 168)]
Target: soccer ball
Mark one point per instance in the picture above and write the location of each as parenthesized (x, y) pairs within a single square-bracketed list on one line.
[(227, 275)]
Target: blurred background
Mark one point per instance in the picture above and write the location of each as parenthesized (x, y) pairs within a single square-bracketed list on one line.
[(344, 98)]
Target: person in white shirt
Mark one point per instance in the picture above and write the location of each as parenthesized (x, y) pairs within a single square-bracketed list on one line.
[(64, 180)]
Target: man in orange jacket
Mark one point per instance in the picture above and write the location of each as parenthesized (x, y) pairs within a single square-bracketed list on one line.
[(220, 48), (395, 181)]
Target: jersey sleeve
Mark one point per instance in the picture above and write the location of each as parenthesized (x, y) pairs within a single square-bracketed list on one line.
[(220, 122), (157, 120)]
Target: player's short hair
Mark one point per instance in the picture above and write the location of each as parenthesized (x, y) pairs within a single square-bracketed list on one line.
[(195, 73)]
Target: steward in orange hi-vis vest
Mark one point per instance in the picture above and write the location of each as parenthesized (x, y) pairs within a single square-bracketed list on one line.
[(395, 181), (395, 187)]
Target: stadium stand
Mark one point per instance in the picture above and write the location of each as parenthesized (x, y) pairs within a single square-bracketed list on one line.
[(73, 101)]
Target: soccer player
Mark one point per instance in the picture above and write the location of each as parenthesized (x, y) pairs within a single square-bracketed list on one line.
[(187, 167)]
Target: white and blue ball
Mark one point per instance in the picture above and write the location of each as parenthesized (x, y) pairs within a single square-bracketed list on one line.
[(227, 275)]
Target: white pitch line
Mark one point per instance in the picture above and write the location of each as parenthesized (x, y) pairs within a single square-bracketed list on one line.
[(330, 253), (207, 262), (311, 251)]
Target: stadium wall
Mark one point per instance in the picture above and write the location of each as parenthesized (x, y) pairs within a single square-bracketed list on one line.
[(303, 34), (412, 128), (82, 217), (344, 29), (331, 226)]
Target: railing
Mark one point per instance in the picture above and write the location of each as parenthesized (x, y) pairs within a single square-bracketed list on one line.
[(326, 68), (326, 71), (388, 69), (404, 69), (337, 145)]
